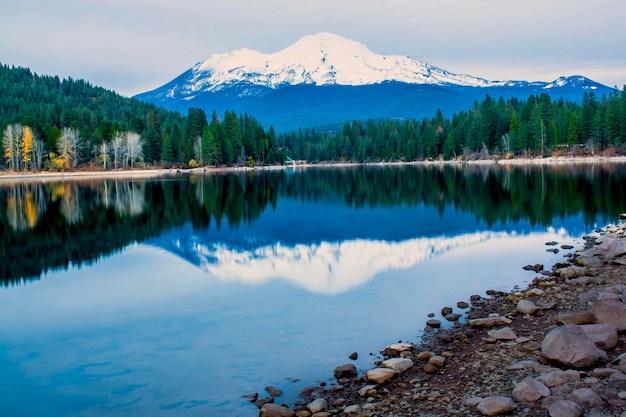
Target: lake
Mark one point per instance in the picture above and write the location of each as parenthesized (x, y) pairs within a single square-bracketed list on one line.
[(179, 295)]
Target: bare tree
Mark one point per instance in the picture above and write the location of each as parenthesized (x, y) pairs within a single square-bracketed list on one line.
[(197, 150), (118, 147), (104, 156), (12, 145), (69, 147), (134, 148)]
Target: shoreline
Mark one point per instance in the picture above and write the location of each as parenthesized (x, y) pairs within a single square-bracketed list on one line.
[(498, 359), (140, 173)]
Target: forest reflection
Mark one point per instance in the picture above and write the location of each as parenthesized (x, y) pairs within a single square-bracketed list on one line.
[(45, 226)]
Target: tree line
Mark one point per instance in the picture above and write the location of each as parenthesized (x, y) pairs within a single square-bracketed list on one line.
[(538, 126), (48, 123)]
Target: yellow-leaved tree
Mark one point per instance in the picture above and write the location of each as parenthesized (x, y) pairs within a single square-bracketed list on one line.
[(27, 146)]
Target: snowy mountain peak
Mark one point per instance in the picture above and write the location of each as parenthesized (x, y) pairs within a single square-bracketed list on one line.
[(322, 59)]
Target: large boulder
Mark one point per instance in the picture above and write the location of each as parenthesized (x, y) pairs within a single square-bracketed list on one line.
[(610, 311), (603, 335), (496, 406), (571, 346)]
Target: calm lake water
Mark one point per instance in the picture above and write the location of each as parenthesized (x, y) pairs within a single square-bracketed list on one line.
[(177, 296)]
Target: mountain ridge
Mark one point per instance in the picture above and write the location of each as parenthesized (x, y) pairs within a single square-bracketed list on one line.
[(246, 81)]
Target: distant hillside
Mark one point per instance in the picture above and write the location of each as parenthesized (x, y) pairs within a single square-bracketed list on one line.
[(47, 105)]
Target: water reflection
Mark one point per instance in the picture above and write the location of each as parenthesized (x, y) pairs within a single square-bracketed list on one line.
[(78, 222), (327, 267)]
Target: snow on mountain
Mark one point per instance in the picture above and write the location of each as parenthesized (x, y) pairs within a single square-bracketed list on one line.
[(322, 59)]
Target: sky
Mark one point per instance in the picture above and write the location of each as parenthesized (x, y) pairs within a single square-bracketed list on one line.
[(133, 46)]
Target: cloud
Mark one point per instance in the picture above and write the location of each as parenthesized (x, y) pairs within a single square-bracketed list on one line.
[(139, 45)]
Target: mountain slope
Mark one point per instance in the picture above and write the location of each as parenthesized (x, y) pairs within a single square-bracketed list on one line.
[(327, 78)]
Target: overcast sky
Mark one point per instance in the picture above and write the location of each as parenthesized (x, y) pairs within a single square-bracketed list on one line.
[(132, 46)]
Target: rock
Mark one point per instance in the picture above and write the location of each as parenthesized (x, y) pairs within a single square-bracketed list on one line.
[(620, 362), (475, 298), (394, 350), (622, 216), (275, 410), (317, 406), (527, 307), (398, 364), (567, 247), (603, 335), (345, 371), (262, 401), (303, 413), (571, 346), (273, 391), (435, 324), (453, 317), (423, 356), (366, 391), (552, 243), (251, 397), (354, 356), (437, 361), (430, 368), (572, 272), (610, 311), (488, 321), (530, 390), (565, 408), (553, 378), (505, 333), (616, 249), (472, 401), (586, 397), (352, 409), (537, 267), (575, 317), (535, 291), (462, 305), (379, 375), (496, 406)]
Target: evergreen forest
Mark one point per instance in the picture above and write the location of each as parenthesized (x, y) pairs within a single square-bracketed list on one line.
[(54, 124)]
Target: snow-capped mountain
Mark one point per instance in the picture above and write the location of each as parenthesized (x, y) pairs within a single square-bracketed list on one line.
[(319, 69)]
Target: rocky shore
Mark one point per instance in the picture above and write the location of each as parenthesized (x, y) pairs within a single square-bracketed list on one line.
[(557, 348)]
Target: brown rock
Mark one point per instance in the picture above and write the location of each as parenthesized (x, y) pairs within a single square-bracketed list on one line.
[(275, 410), (603, 335), (380, 375), (462, 305), (430, 369), (445, 311), (273, 391), (496, 406), (527, 307), (575, 317), (565, 408), (345, 371), (610, 311), (586, 397), (530, 390), (571, 346)]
